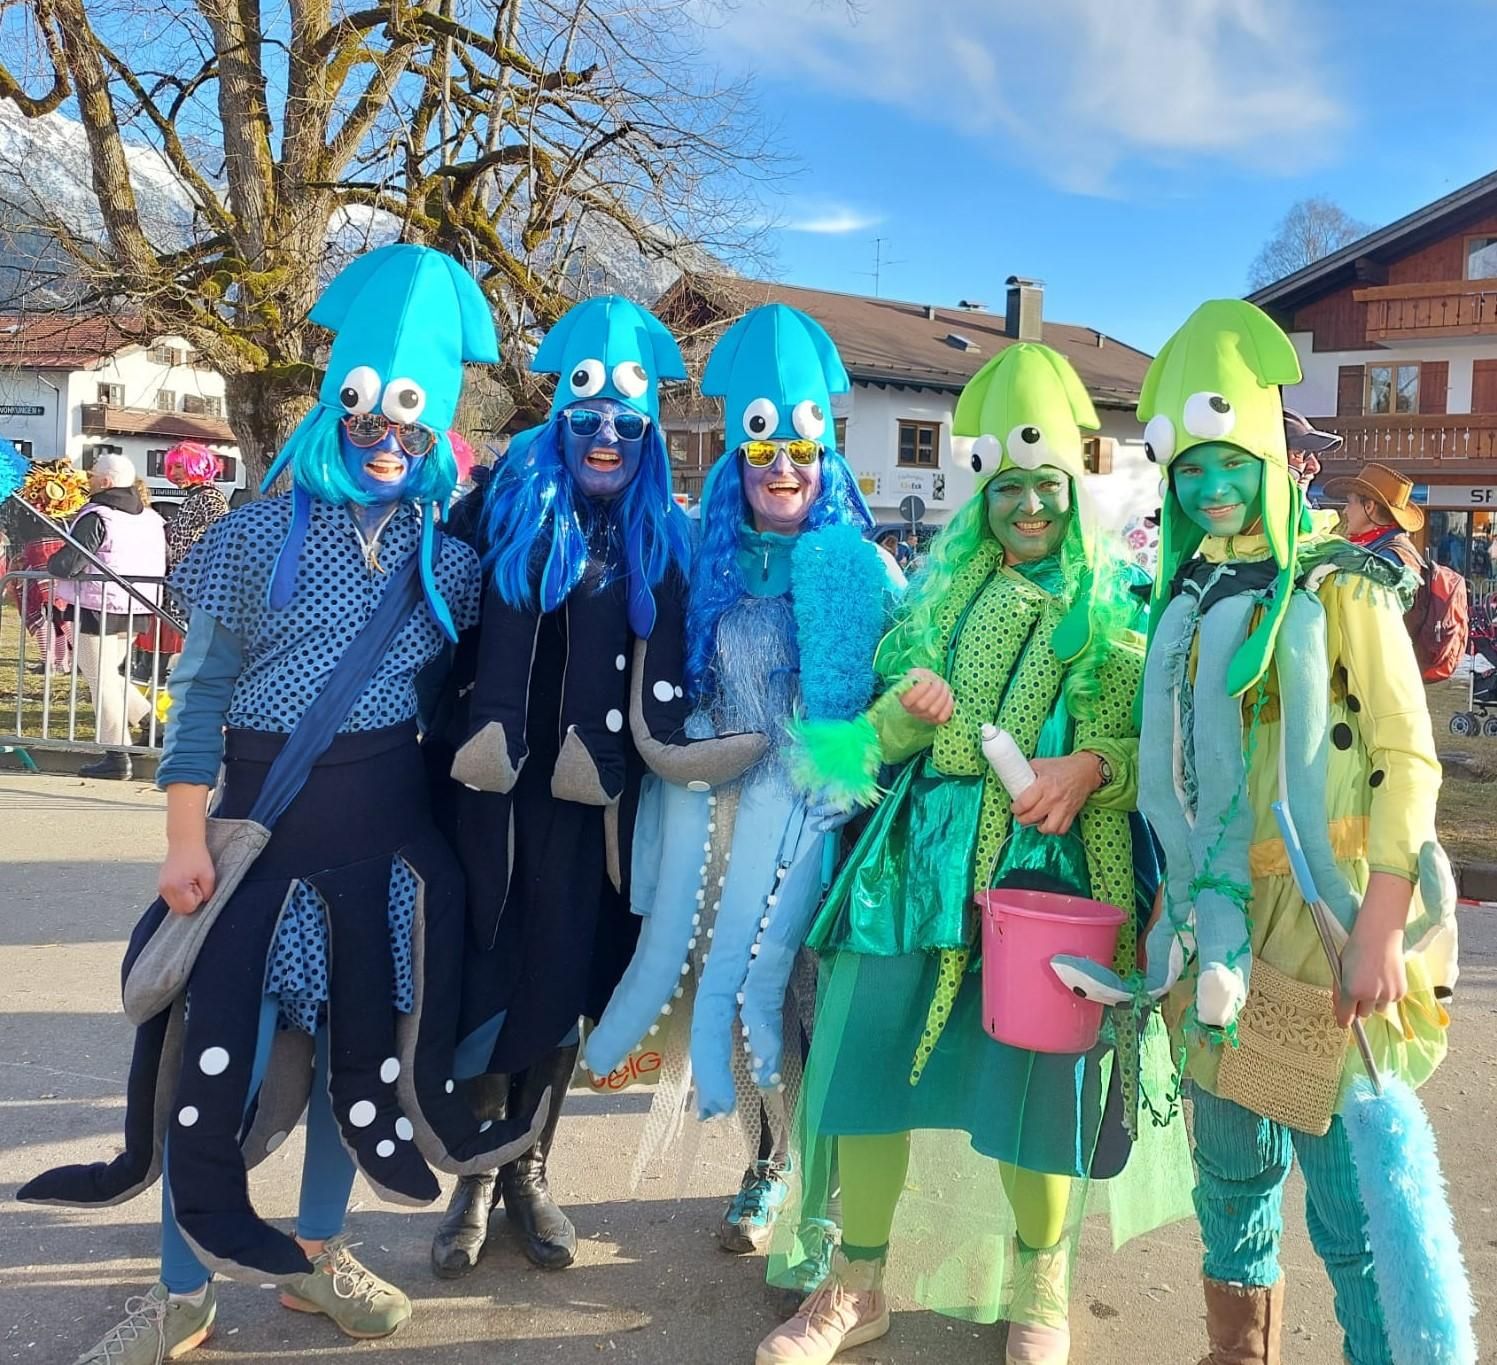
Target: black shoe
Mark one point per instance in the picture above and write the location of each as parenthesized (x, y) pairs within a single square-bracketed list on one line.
[(463, 1232), (114, 765), (547, 1235)]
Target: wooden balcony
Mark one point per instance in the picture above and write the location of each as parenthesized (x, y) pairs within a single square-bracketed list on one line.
[(1457, 443), (1422, 312), (98, 419)]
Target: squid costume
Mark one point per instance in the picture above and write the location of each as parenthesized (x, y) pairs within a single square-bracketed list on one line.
[(726, 880), (1278, 672), (903, 1081), (326, 966), (552, 712)]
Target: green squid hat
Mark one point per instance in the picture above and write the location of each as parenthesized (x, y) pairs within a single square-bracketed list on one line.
[(1026, 408), (1217, 381)]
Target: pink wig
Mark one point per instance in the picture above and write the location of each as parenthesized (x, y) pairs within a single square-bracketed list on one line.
[(462, 452), (189, 463)]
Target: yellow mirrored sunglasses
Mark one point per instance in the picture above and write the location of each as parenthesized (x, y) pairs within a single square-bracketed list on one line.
[(761, 454)]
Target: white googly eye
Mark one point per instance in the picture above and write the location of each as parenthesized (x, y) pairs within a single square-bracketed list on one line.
[(1209, 416), (404, 401), (1028, 448), (587, 378), (809, 420), (359, 390), (630, 379), (1159, 439), (761, 419), (987, 453)]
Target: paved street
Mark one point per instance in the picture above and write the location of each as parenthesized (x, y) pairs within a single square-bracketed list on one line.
[(77, 862)]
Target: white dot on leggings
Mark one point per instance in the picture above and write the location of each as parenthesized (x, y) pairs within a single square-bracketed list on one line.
[(214, 1061), (187, 1116), (389, 1069), (361, 1114), (384, 1148), (403, 1129)]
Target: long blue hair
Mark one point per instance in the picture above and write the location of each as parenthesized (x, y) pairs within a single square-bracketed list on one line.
[(716, 580), (533, 507)]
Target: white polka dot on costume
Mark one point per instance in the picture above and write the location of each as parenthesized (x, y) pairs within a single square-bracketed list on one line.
[(389, 1069), (361, 1115), (485, 1125), (664, 691), (449, 1087), (680, 692), (384, 1148), (621, 663), (403, 1129), (214, 1061), (187, 1116), (614, 720)]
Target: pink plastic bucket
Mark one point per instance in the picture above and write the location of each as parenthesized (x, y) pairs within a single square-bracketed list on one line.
[(1023, 1002)]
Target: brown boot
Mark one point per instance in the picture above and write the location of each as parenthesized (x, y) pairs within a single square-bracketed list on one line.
[(1244, 1323)]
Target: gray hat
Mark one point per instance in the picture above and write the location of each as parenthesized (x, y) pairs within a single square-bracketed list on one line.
[(1300, 435)]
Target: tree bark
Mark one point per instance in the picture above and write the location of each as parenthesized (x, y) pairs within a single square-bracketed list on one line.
[(263, 411)]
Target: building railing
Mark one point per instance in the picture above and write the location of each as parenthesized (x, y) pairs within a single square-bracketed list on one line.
[(1424, 439), (1408, 312)]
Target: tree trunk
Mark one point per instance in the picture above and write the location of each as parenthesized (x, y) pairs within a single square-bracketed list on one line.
[(263, 413)]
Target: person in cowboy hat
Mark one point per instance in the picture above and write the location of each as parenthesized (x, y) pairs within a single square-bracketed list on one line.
[(1306, 445), (1379, 514)]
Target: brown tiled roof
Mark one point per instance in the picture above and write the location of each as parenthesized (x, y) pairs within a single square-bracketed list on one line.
[(177, 426), (64, 341), (885, 341)]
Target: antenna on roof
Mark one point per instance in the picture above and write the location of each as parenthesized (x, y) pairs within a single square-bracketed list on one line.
[(880, 263)]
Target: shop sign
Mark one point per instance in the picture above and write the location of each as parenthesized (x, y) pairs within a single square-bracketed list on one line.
[(1448, 496)]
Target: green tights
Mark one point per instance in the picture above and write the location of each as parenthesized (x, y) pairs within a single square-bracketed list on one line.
[(873, 1169)]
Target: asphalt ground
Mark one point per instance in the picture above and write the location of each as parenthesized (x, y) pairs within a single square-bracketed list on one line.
[(77, 863)]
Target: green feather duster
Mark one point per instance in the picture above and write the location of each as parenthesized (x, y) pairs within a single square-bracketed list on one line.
[(837, 760)]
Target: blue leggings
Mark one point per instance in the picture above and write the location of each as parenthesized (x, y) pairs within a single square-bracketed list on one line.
[(326, 1174), (1242, 1162)]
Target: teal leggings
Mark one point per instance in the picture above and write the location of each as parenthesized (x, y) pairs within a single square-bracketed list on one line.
[(1242, 1162)]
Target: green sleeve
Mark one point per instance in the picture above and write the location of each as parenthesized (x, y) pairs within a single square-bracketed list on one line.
[(1122, 756), (900, 735)]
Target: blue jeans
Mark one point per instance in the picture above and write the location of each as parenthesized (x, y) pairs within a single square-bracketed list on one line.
[(1242, 1162), (326, 1175)]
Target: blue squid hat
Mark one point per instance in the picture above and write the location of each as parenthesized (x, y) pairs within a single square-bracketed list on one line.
[(609, 347), (777, 369), (406, 319)]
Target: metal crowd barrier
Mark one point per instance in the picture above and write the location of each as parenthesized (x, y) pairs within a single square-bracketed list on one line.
[(51, 707)]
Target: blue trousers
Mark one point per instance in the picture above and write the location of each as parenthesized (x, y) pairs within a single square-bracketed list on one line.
[(326, 1175), (1242, 1162)]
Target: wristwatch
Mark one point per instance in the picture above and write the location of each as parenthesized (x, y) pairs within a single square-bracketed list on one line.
[(1104, 770)]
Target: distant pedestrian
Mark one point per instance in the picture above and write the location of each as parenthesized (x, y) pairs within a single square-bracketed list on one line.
[(130, 539), (54, 492), (1305, 446), (195, 469)]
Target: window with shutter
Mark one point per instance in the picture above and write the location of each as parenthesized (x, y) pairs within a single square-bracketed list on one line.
[(1434, 382), (1350, 380)]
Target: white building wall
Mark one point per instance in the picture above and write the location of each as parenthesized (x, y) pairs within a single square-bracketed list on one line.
[(1315, 395), (45, 431)]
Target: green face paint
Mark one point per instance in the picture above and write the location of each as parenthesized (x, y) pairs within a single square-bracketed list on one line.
[(1219, 487), (1029, 511)]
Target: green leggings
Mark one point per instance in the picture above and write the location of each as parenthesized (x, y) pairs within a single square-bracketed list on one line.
[(872, 1171)]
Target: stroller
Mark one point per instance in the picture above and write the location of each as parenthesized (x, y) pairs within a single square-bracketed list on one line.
[(1480, 716)]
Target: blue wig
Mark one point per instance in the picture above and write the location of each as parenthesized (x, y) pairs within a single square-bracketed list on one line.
[(317, 465), (716, 580), (541, 536)]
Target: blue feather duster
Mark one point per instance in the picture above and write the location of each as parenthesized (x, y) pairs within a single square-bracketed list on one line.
[(838, 583), (13, 469), (1421, 1278)]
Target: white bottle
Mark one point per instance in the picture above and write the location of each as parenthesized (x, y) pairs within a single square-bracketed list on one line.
[(1007, 760)]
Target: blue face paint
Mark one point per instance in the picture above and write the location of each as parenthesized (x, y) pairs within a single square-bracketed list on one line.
[(601, 459), (382, 470)]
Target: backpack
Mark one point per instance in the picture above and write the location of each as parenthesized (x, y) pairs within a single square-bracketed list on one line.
[(1439, 622)]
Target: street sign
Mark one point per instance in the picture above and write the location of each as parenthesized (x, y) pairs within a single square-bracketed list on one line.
[(912, 508), (21, 410)]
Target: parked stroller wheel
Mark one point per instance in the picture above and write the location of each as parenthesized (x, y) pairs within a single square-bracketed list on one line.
[(1463, 723), (1489, 727)]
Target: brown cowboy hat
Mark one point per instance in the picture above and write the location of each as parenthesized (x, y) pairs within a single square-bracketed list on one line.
[(1386, 487)]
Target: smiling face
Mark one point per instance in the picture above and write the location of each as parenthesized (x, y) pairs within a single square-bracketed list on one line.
[(1029, 512), (1219, 487), (782, 493), (381, 470), (602, 460)]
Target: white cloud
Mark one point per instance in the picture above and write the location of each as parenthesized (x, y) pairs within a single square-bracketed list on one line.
[(834, 222), (1073, 86)]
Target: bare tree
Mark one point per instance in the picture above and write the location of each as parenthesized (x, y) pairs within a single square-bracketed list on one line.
[(550, 144), (1311, 229)]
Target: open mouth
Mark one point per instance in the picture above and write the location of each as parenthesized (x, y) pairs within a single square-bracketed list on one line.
[(385, 468), (602, 459), (1222, 513), (783, 488), (1031, 528)]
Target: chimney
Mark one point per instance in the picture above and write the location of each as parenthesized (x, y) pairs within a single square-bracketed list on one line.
[(1026, 309), (930, 312)]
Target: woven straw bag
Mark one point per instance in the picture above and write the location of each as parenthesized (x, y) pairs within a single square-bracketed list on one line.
[(1289, 1054)]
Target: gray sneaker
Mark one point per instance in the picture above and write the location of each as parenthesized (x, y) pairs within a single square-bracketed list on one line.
[(156, 1328), (340, 1287)]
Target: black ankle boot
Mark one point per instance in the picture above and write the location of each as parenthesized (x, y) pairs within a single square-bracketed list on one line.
[(463, 1232), (114, 765), (547, 1234)]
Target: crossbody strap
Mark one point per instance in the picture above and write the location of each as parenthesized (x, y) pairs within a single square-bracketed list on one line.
[(315, 731)]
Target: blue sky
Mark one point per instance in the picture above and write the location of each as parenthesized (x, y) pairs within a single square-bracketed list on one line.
[(1133, 154)]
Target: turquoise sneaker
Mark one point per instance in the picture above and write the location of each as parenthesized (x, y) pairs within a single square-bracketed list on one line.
[(156, 1328), (750, 1217)]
